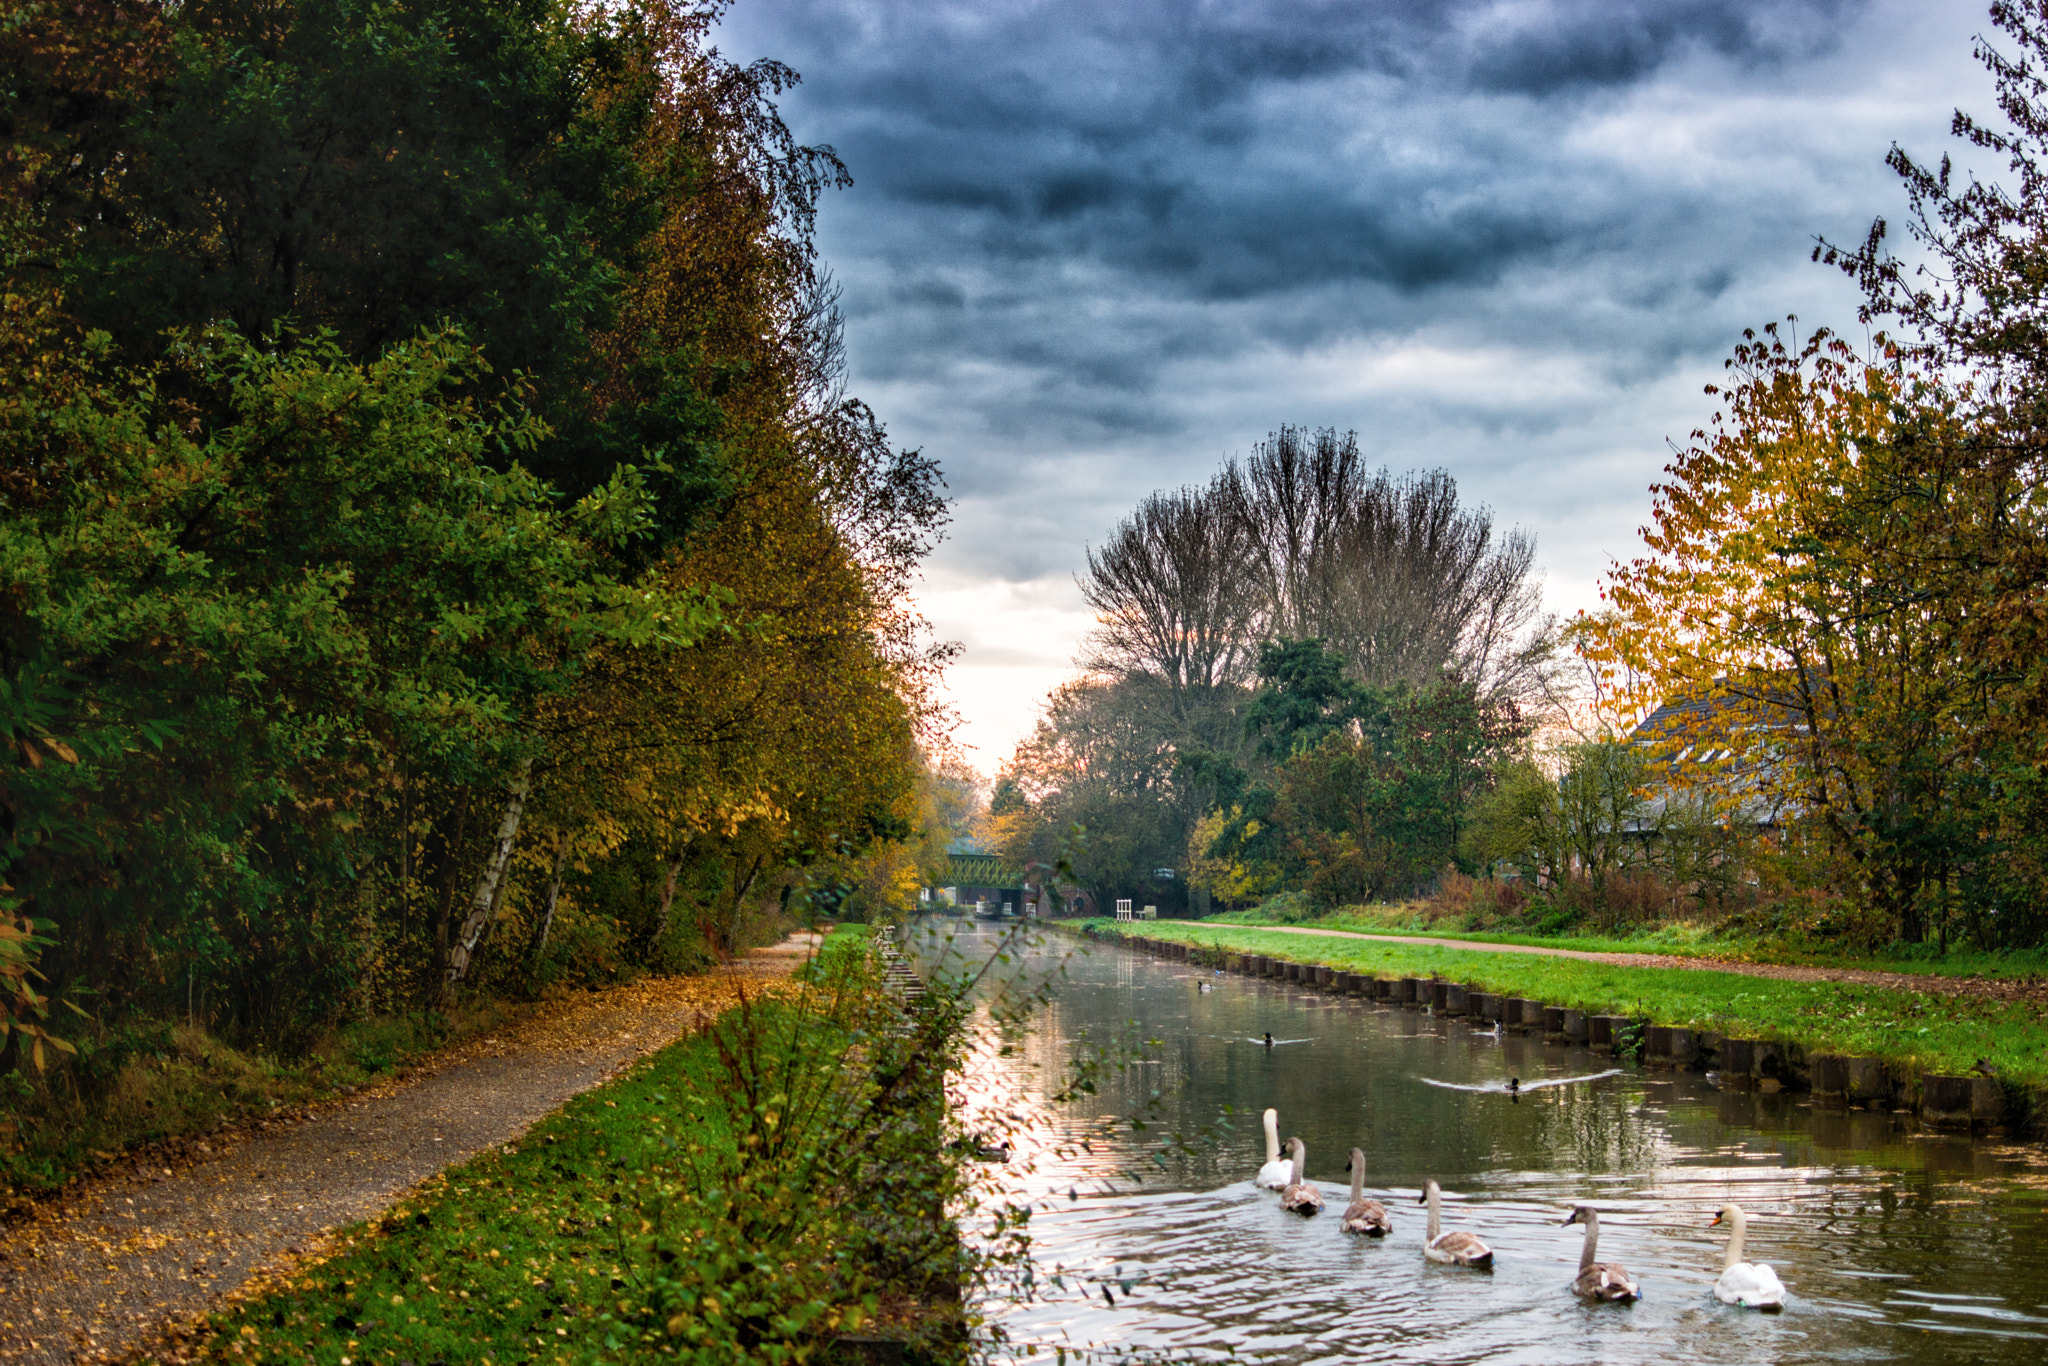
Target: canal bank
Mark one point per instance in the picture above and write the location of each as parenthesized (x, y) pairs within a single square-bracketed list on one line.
[(1966, 1064)]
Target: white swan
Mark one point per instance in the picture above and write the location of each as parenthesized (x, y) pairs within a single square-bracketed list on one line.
[(1599, 1280), (1455, 1248), (1299, 1197), (1278, 1171), (1749, 1284), (1363, 1215)]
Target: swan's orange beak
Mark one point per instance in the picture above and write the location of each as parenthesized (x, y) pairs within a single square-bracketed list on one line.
[(1713, 1221)]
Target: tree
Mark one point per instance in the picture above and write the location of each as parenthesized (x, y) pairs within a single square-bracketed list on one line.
[(1097, 764), (1370, 786), (1400, 580), (1173, 603), (1798, 600)]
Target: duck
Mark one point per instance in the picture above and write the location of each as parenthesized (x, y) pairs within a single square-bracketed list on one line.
[(1277, 1171), (1515, 1087), (1604, 1281), (1749, 1284), (1300, 1197), (1362, 1215), (1456, 1248), (1269, 1039)]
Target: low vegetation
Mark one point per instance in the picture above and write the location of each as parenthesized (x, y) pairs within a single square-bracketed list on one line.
[(779, 1180)]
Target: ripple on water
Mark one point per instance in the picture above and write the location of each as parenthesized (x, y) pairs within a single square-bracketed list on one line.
[(1882, 1238)]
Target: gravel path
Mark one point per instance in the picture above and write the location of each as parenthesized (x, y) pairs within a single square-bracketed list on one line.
[(2033, 990), (125, 1255)]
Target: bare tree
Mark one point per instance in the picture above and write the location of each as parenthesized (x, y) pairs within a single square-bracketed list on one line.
[(1302, 539), (1173, 602), (1420, 586), (1393, 573)]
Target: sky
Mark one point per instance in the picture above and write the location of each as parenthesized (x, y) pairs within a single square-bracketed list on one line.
[(1094, 248)]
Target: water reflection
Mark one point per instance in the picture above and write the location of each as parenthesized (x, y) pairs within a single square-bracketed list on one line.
[(1893, 1242)]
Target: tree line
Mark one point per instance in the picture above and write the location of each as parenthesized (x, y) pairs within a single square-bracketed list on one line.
[(1301, 675), (437, 547)]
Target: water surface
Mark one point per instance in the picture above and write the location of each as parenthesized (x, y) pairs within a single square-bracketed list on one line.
[(1895, 1242)]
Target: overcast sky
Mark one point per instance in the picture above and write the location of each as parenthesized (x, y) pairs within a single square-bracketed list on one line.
[(1096, 247)]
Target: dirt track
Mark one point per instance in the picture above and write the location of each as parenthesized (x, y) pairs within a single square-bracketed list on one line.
[(99, 1272), (2028, 989)]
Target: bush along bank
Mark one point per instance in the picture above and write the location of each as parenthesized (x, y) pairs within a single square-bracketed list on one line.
[(774, 1188), (1846, 1044)]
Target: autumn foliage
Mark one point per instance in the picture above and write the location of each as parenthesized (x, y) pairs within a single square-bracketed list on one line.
[(436, 549), (1841, 607)]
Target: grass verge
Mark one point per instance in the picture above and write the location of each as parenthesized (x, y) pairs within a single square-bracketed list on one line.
[(1681, 939), (1926, 1033), (750, 1193)]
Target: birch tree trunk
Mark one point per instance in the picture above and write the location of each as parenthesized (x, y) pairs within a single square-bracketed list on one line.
[(490, 883), (668, 891), (547, 920)]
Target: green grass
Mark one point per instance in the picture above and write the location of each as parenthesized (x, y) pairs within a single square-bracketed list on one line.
[(1928, 1033), (517, 1255), (1678, 939), (1689, 940), (618, 1228)]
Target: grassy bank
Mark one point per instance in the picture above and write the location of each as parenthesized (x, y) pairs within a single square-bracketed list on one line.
[(1677, 938), (750, 1193), (1919, 1032)]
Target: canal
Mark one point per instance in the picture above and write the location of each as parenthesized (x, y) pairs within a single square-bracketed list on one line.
[(1896, 1243)]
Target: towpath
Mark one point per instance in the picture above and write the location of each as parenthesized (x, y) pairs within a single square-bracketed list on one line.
[(97, 1273), (2028, 989)]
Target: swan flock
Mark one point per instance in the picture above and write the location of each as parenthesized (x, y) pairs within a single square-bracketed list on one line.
[(1743, 1283)]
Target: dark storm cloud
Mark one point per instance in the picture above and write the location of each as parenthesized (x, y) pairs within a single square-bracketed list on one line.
[(1079, 153), (1564, 47), (1095, 248), (1206, 145)]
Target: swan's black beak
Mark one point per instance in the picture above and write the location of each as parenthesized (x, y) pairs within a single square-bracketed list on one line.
[(1570, 1219), (1422, 1199)]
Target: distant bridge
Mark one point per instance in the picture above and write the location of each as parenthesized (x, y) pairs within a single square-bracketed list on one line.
[(991, 871)]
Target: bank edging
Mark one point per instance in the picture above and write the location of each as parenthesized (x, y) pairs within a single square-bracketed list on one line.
[(1943, 1101)]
